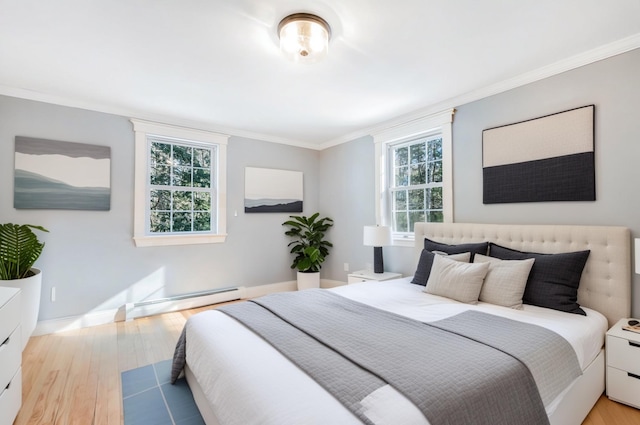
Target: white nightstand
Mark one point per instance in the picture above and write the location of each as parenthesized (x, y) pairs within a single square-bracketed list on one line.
[(623, 367), (369, 275)]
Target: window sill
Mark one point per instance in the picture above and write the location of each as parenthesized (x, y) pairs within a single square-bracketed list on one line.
[(141, 241), (408, 242)]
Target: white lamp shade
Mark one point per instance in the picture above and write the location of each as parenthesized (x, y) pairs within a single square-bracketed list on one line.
[(637, 251), (377, 236)]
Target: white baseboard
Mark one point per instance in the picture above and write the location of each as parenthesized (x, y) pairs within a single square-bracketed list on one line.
[(95, 318)]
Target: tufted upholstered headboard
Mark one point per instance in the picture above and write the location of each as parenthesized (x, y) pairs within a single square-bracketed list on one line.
[(606, 280)]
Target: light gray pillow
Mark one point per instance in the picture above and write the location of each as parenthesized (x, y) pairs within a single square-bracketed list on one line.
[(505, 281), (456, 280)]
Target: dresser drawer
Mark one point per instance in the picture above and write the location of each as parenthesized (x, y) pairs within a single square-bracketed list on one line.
[(623, 354), (622, 387), (9, 316), (10, 357), (11, 399)]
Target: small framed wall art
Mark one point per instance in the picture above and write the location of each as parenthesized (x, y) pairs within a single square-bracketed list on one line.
[(267, 191), (51, 174)]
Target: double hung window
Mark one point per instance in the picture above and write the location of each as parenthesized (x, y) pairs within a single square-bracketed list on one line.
[(180, 193), (414, 174)]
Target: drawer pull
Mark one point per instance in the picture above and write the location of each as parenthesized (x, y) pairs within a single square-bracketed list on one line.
[(633, 375), (5, 342), (634, 344)]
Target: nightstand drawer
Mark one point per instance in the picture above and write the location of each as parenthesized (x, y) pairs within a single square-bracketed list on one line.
[(10, 357), (622, 387), (353, 279), (623, 354), (11, 399)]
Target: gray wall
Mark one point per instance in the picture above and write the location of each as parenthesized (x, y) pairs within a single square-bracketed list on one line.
[(612, 85), (347, 196), (90, 257)]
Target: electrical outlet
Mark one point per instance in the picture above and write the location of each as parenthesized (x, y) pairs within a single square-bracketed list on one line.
[(346, 267), (53, 294)]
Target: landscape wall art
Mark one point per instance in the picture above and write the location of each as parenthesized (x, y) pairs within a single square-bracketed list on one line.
[(51, 174), (272, 191)]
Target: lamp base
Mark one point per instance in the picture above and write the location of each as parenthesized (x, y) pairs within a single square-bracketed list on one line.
[(378, 264)]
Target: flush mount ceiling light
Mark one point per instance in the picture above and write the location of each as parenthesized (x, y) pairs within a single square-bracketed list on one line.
[(304, 37)]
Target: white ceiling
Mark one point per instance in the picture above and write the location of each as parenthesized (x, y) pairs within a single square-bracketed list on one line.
[(215, 64)]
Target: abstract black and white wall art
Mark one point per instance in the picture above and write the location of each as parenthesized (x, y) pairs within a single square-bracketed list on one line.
[(550, 158), (268, 190), (51, 174)]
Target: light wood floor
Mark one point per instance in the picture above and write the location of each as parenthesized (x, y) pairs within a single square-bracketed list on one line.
[(73, 377)]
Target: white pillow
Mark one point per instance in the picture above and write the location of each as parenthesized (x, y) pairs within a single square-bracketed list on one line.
[(505, 282), (464, 257), (456, 280)]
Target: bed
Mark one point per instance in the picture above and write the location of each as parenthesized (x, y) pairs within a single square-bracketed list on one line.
[(238, 378)]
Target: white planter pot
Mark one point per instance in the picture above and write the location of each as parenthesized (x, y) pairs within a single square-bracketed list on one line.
[(308, 280), (30, 288)]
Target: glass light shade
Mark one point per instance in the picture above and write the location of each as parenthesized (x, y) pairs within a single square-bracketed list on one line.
[(304, 37)]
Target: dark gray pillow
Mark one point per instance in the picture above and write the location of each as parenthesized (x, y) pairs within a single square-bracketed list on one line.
[(473, 248), (425, 262), (554, 278)]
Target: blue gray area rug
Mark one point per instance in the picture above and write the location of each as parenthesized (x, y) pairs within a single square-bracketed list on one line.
[(148, 398)]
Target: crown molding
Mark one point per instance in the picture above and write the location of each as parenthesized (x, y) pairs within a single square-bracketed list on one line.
[(603, 52)]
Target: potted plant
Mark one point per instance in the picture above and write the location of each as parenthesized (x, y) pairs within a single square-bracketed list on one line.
[(309, 247), (19, 250)]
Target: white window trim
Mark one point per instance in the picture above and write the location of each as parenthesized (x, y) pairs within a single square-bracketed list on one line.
[(144, 128), (435, 123)]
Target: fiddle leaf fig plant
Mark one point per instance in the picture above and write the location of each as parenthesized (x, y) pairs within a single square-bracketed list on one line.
[(19, 249), (309, 246)]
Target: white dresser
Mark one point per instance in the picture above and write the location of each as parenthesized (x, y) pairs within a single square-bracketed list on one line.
[(10, 355)]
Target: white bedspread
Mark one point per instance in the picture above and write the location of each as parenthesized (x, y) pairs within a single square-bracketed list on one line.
[(248, 382)]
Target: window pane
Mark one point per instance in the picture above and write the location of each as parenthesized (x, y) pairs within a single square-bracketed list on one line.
[(201, 177), (201, 157), (160, 200), (160, 153), (182, 176), (160, 175), (415, 217), (401, 156), (416, 199), (435, 172), (418, 153), (401, 222), (201, 221), (434, 198), (436, 216), (202, 201), (181, 222), (402, 176), (435, 150), (182, 155), (400, 200), (160, 222), (418, 174), (182, 201)]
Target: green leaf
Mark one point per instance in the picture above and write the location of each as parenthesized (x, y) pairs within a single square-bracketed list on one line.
[(19, 250)]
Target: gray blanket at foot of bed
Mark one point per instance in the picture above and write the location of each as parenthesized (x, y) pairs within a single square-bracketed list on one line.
[(472, 368)]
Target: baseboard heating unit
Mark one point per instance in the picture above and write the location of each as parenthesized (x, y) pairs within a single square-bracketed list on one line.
[(181, 302)]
